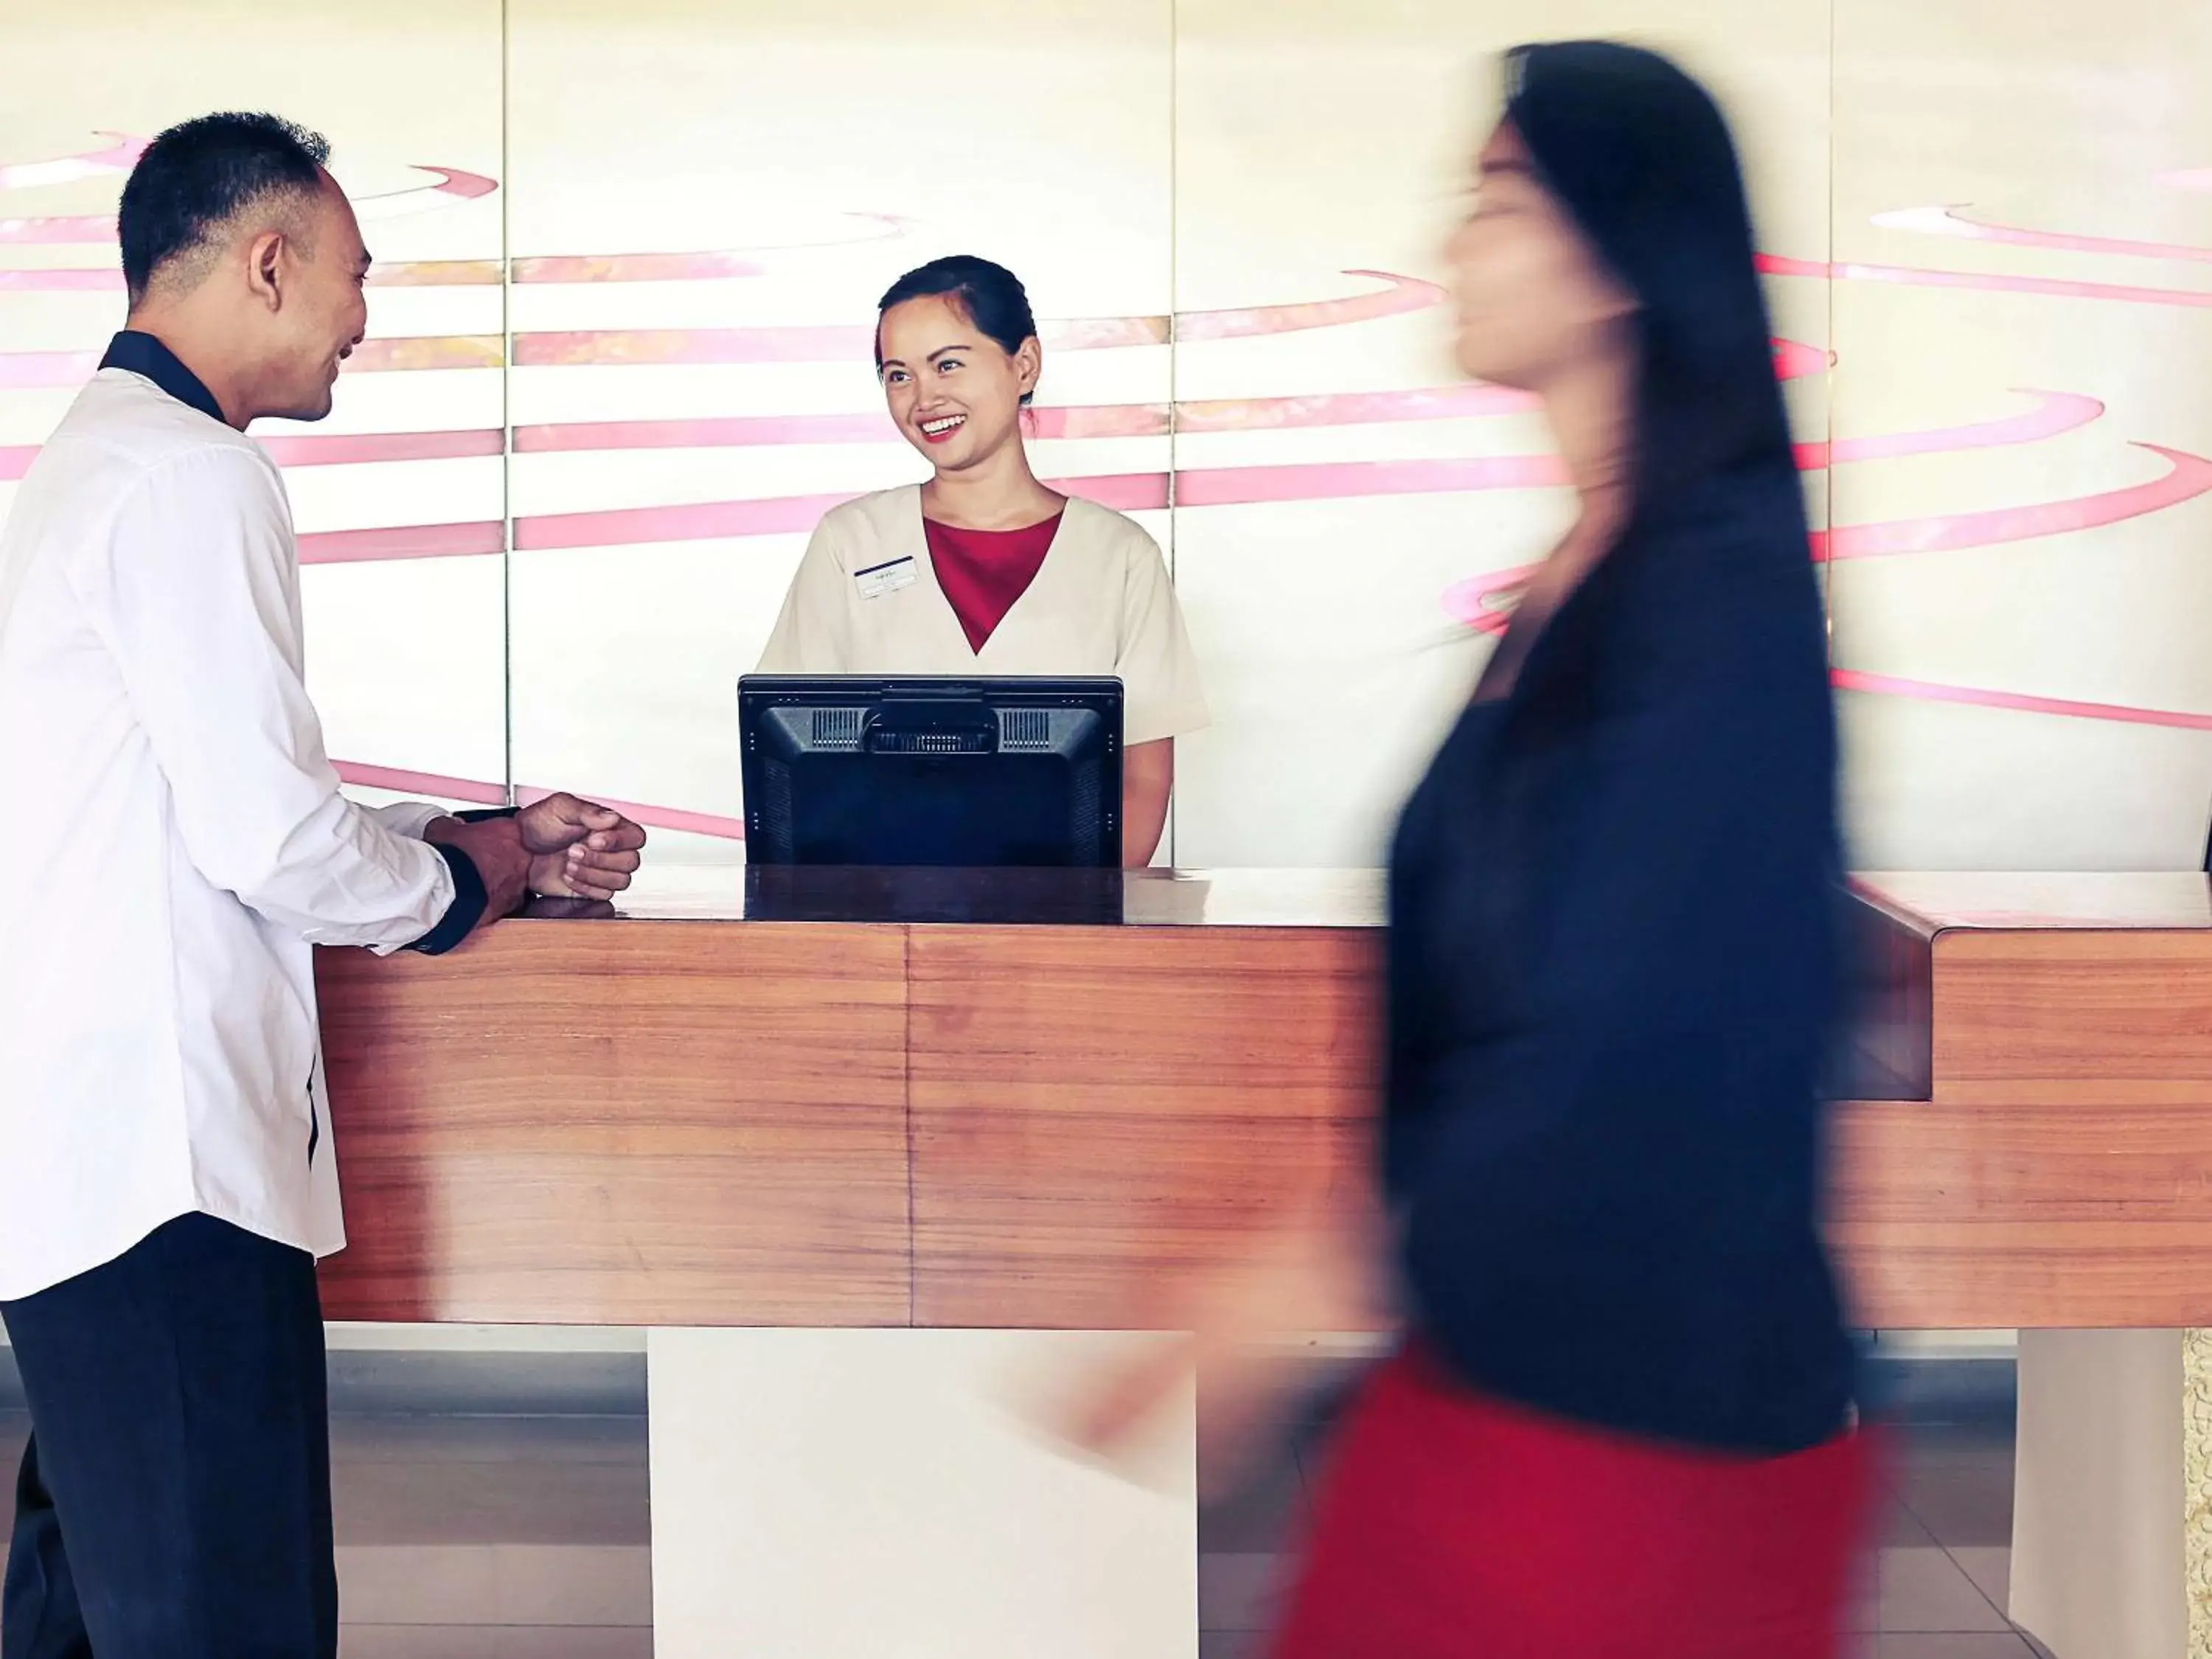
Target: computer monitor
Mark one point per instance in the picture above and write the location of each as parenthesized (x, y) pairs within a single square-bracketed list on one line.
[(979, 773)]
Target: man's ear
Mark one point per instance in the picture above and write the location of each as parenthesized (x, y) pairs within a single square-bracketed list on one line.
[(265, 273)]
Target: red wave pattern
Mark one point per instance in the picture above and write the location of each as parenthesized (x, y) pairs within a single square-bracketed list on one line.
[(849, 343), (1051, 423), (58, 229), (636, 268), (1476, 602), (1194, 488), (21, 371), (709, 265), (100, 281), (408, 352), (452, 181), (400, 781), (2057, 412), (437, 786), (2052, 288), (336, 449), (1951, 221), (652, 816), (438, 273), (99, 228), (108, 279), (360, 448), (117, 156), (413, 541), (2187, 478), (1848, 679), (783, 515)]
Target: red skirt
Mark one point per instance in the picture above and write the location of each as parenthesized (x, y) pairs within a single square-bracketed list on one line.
[(1454, 1527)]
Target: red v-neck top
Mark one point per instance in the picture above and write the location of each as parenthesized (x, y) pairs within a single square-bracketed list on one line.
[(983, 572)]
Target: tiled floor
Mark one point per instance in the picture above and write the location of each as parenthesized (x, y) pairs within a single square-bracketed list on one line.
[(498, 1538)]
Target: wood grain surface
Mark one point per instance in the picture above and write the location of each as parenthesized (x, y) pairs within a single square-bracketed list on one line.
[(1095, 1106), (717, 1122), (2109, 1015), (647, 1123), (2058, 1169)]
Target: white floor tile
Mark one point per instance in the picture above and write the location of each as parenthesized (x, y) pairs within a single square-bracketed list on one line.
[(1922, 1591), (1991, 1568), (520, 1501), (491, 1642), (495, 1584), (487, 1440)]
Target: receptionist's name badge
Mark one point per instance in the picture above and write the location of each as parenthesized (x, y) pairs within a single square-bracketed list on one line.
[(879, 580)]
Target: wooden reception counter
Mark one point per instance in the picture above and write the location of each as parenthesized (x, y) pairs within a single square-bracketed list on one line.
[(692, 1115), (723, 1108), (2049, 1160), (850, 1145)]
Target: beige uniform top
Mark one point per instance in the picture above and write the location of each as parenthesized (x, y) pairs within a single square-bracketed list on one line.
[(865, 601)]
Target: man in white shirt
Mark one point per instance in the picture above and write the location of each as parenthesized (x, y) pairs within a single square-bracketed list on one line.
[(165, 1180)]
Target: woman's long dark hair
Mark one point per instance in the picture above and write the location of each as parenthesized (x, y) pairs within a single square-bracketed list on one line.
[(1639, 155)]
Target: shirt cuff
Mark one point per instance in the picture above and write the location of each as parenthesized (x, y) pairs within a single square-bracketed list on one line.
[(469, 902)]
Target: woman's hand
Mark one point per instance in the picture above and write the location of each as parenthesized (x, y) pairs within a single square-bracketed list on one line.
[(1318, 1273)]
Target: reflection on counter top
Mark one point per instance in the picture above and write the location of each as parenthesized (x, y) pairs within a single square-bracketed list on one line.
[(1926, 902), (2064, 899), (1137, 898)]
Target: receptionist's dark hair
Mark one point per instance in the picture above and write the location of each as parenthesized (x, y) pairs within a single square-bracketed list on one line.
[(993, 296)]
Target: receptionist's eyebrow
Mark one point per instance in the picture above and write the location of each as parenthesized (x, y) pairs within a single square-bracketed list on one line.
[(897, 362)]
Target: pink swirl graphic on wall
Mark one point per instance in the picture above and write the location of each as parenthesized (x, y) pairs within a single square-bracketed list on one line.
[(2187, 477), (435, 786), (1976, 281), (99, 228), (551, 269), (2156, 479), (1957, 222), (854, 342), (2022, 702), (117, 155)]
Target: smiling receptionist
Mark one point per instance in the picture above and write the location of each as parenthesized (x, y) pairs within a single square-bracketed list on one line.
[(983, 570)]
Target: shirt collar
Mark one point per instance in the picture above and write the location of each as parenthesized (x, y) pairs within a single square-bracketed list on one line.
[(141, 353)]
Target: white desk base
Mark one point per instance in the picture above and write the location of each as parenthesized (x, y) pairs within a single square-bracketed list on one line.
[(882, 1494), (2099, 1502)]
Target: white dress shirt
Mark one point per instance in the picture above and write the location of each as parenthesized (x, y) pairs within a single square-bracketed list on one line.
[(176, 842), (867, 601)]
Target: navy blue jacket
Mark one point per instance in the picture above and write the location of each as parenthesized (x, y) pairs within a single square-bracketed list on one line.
[(1613, 904)]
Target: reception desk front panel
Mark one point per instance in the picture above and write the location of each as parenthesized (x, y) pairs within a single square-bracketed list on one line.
[(643, 1123), (2057, 1169), (690, 1115)]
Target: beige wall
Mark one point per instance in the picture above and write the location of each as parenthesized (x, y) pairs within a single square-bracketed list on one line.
[(1136, 157)]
